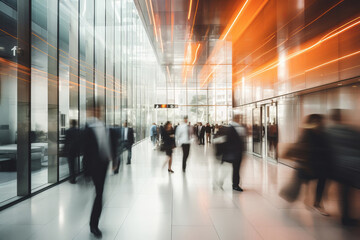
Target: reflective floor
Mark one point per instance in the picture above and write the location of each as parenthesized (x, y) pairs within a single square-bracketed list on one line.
[(144, 201)]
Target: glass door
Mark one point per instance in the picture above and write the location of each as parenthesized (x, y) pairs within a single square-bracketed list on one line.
[(257, 131), (271, 131)]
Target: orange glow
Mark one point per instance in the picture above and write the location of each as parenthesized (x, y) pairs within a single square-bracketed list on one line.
[(189, 14), (161, 42), (153, 17), (193, 24), (148, 11), (172, 27), (235, 20), (332, 61), (196, 53), (8, 33), (328, 36)]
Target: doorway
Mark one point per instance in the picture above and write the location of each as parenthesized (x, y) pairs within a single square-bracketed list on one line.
[(265, 131)]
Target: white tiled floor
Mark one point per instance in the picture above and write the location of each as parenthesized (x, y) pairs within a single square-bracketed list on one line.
[(145, 202)]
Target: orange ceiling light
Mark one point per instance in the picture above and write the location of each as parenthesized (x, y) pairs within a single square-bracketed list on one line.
[(161, 42), (196, 53), (332, 34), (148, 11), (153, 17), (189, 14), (235, 20)]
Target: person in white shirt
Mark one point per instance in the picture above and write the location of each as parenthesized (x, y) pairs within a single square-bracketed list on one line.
[(182, 138)]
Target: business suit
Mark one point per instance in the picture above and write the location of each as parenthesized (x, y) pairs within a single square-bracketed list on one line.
[(97, 154), (115, 147), (202, 135), (71, 150), (126, 142), (232, 151)]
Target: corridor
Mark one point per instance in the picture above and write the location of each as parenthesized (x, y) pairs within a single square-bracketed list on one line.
[(144, 201)]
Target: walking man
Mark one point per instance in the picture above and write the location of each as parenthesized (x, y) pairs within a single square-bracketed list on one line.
[(182, 137)]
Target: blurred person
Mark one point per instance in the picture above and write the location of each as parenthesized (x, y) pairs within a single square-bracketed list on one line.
[(319, 159), (345, 142), (97, 154), (126, 141), (208, 133), (72, 147), (161, 129), (312, 153), (115, 146), (176, 126), (153, 134), (183, 137), (233, 147), (216, 129), (169, 143), (195, 132), (201, 134)]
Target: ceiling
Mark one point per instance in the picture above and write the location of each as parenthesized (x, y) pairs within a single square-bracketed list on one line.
[(183, 32)]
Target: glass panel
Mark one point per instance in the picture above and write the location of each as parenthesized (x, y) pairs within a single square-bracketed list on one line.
[(8, 102), (257, 131)]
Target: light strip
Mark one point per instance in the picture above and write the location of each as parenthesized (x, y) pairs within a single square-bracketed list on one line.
[(161, 42), (325, 38), (168, 71), (189, 9), (197, 49), (334, 60), (147, 7), (153, 17), (238, 15)]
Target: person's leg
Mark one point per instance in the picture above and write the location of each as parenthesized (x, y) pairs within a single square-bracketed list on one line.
[(170, 163), (71, 160), (129, 148), (186, 150), (236, 177), (345, 191), (99, 180), (319, 191)]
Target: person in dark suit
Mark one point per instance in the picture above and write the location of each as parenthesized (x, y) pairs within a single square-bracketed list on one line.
[(233, 149), (201, 131), (72, 147), (115, 146), (126, 141), (208, 133), (97, 154), (169, 143)]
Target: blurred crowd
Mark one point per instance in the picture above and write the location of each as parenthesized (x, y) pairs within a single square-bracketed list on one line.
[(326, 152), (323, 152)]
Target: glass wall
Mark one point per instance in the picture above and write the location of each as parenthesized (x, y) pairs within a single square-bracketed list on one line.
[(80, 52), (202, 91)]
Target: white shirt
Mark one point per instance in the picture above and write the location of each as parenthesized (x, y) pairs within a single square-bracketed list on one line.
[(125, 132), (182, 134), (199, 129)]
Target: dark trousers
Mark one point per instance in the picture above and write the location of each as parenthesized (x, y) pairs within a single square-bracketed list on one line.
[(71, 161), (201, 139), (320, 190), (98, 177), (125, 146), (345, 192), (236, 171), (186, 150), (208, 137)]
